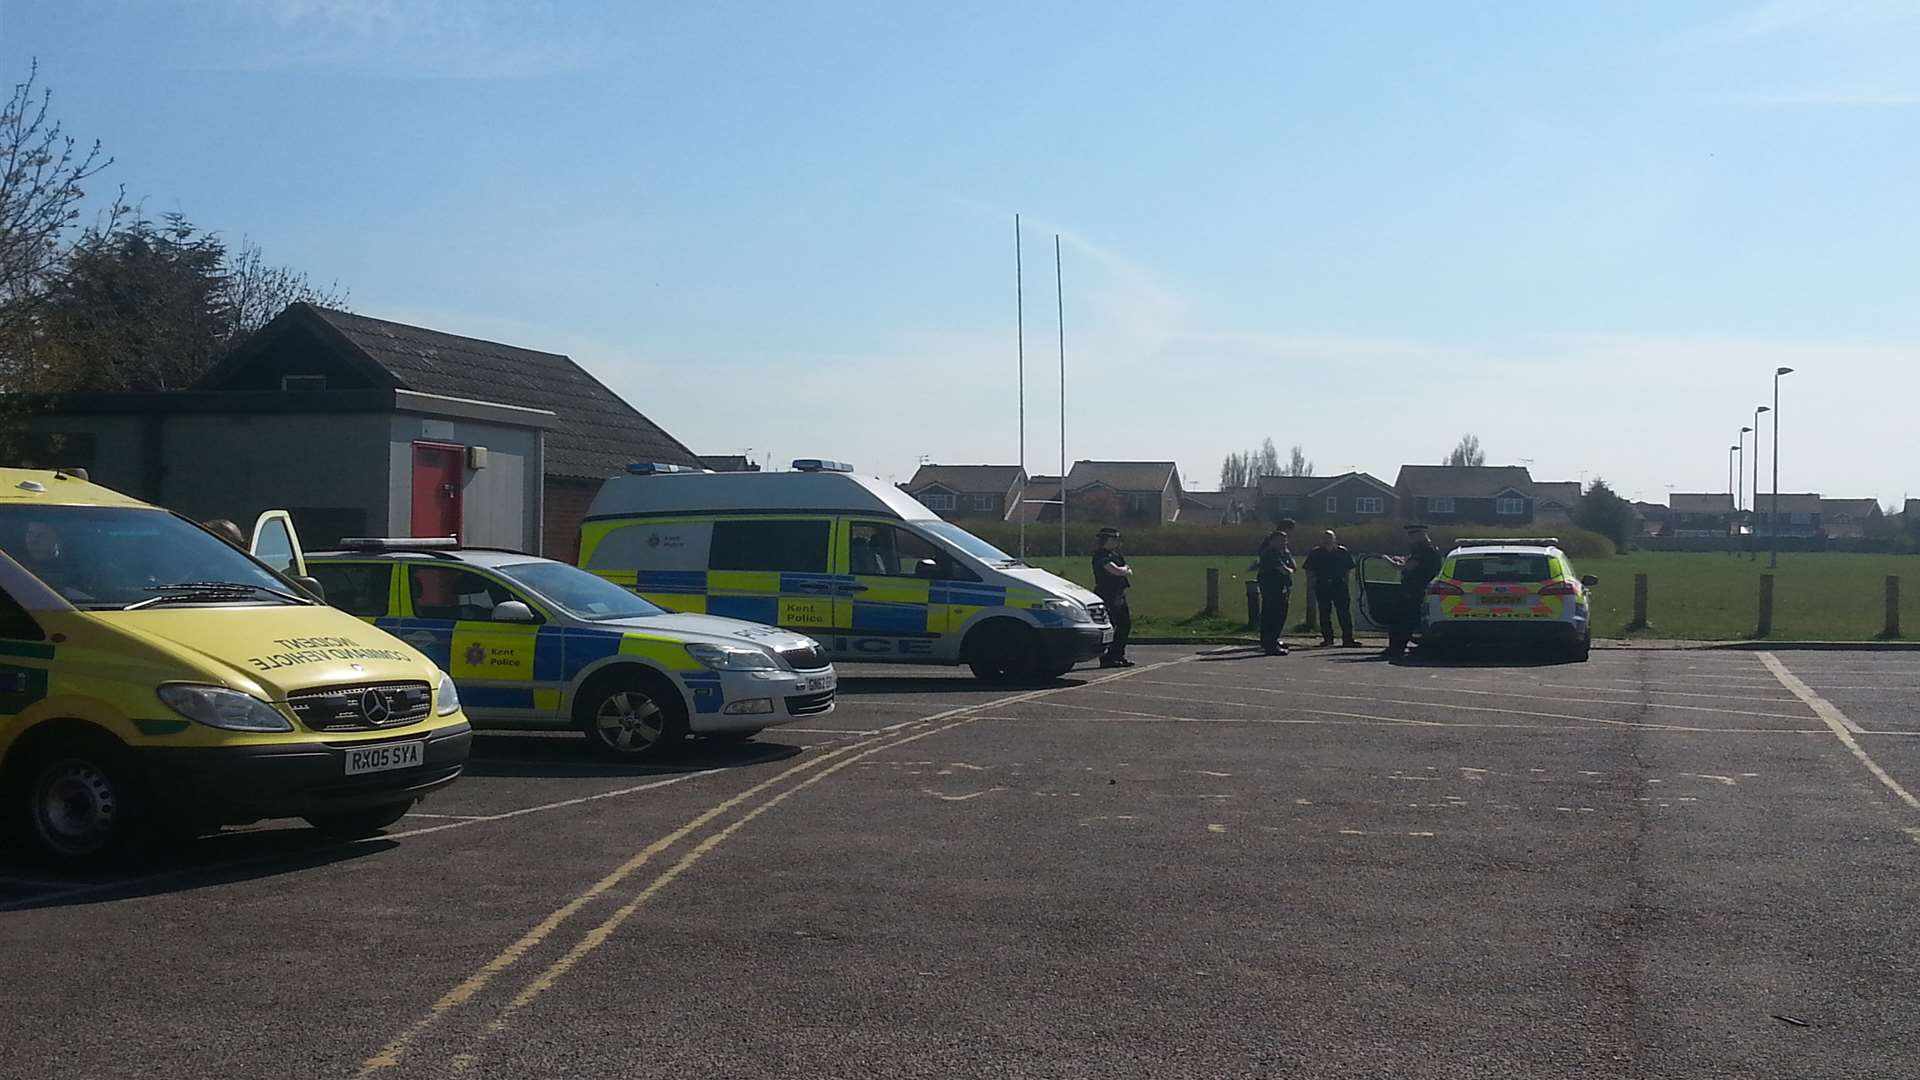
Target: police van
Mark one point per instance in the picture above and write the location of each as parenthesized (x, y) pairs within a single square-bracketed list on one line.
[(850, 560), (154, 676)]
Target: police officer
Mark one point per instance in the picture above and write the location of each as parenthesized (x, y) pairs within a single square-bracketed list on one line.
[(1328, 565), (1418, 568), (1111, 576), (1275, 564)]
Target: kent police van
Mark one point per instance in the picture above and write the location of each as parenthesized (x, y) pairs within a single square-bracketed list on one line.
[(853, 562), (152, 675)]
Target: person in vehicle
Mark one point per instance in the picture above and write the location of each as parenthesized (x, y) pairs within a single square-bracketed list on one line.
[(226, 530), (45, 557), (1111, 576), (1417, 570), (1328, 566), (1275, 565)]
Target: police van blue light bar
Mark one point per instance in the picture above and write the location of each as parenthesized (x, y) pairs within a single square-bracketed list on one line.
[(656, 468), (814, 464), (398, 543)]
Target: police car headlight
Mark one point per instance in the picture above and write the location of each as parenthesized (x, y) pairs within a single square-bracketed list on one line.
[(446, 700), (1070, 610), (732, 658), (218, 707)]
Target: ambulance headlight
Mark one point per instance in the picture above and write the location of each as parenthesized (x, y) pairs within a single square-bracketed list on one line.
[(219, 707), (446, 701), (732, 657), (1072, 611)]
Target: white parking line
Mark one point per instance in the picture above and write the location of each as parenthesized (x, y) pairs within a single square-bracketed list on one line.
[(1843, 729), (1486, 693)]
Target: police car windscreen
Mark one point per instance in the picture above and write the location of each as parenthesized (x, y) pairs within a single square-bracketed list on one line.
[(100, 557), (583, 595), (969, 543), (1498, 568)]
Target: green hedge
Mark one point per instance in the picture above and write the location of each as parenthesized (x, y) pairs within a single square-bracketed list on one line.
[(1044, 540)]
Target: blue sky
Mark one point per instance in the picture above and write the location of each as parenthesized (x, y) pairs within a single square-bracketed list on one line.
[(1585, 235)]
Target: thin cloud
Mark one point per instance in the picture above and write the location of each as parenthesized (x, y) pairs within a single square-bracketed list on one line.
[(447, 39)]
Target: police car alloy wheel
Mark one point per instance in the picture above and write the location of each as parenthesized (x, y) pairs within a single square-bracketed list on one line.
[(632, 718)]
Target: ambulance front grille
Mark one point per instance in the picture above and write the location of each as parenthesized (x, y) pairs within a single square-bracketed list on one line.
[(362, 708)]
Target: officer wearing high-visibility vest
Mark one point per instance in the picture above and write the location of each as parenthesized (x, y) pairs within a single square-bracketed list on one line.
[(1418, 568)]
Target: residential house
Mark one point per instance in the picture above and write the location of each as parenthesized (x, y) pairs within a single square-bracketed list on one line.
[(1143, 492), (728, 463), (1350, 498), (1466, 494), (1233, 506), (1040, 501), (364, 427), (1651, 519), (1852, 519), (1555, 501), (1798, 514), (959, 492), (1693, 513)]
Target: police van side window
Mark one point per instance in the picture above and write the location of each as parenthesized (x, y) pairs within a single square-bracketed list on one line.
[(798, 547), (888, 551), (355, 588), (15, 623)]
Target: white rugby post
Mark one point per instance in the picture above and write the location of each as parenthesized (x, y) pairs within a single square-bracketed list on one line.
[(1060, 299), (1020, 347)]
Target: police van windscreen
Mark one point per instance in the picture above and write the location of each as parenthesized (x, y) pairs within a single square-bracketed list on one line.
[(969, 543), (582, 595), (1501, 568), (111, 557)]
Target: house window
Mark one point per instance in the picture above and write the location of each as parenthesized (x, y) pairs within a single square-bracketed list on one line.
[(1333, 504), (937, 500), (307, 383), (1140, 503), (1440, 504), (1287, 502), (1368, 505), (983, 504), (1509, 506)]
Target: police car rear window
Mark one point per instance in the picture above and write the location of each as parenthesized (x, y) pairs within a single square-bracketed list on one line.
[(1498, 568)]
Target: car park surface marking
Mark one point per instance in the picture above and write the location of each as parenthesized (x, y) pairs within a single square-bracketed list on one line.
[(390, 1055), (1844, 730)]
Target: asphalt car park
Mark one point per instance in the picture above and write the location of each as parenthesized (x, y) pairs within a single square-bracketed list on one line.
[(1658, 863)]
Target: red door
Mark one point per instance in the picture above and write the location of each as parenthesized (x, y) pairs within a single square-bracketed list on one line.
[(437, 472)]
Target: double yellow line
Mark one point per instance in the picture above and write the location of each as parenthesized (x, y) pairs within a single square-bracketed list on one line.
[(821, 766)]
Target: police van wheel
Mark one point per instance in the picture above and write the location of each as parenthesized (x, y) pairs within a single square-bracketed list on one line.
[(360, 824), (1003, 653), (81, 803), (631, 717)]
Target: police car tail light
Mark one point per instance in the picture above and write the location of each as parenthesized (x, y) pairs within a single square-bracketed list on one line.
[(1559, 588), (1444, 588), (219, 707)]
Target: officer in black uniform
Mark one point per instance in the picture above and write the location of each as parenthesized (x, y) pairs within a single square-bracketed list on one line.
[(1418, 568), (1328, 565), (1111, 575), (1275, 564)]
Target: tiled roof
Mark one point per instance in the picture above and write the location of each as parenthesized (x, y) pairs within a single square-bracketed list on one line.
[(997, 479), (1685, 502), (1121, 475), (1564, 492), (1857, 508), (1464, 481), (1797, 502)]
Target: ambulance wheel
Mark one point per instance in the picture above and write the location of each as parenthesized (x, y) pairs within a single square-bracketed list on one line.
[(1002, 652), (632, 715), (81, 799), (360, 824)]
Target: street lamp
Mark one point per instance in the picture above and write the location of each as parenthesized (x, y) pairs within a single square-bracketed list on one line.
[(1740, 474), (1773, 559), (1732, 466), (1752, 533)]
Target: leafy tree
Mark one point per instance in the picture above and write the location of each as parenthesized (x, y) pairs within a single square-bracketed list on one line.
[(1605, 512), (1236, 471), (1245, 468), (1267, 463), (1468, 452), (1297, 463)]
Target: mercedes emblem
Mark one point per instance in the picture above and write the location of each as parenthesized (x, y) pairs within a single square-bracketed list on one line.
[(374, 707)]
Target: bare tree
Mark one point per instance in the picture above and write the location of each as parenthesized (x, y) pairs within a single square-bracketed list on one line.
[(1297, 463), (1236, 471), (256, 291), (43, 171), (1468, 452), (1268, 461)]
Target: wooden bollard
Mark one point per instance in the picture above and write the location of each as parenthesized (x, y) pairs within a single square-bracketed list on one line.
[(1213, 592), (1892, 631), (1765, 628), (1253, 603), (1639, 603)]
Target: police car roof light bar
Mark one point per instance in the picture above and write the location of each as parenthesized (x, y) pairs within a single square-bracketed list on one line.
[(655, 468), (811, 464), (398, 543), (1508, 541)]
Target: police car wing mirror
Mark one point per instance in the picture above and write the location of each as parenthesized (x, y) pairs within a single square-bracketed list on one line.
[(311, 585), (1590, 581), (927, 568), (512, 611)]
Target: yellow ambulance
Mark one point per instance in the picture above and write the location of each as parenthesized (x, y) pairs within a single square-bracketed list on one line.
[(155, 678)]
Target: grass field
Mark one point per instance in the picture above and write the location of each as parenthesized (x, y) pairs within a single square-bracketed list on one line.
[(1704, 596)]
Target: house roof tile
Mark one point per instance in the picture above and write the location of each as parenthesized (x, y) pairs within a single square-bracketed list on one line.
[(1121, 475), (995, 479), (1464, 481)]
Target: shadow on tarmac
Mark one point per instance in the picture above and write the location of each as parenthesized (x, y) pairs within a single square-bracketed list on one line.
[(1487, 659), (856, 686), (536, 754), (185, 865)]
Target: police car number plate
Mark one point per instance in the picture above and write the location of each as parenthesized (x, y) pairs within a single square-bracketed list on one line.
[(404, 755)]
